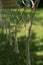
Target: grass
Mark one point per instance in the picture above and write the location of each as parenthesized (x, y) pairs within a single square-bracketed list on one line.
[(7, 56)]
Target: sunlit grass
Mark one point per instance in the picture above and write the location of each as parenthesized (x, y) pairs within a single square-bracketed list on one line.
[(39, 53)]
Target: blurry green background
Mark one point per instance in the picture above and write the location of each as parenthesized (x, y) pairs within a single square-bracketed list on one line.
[(9, 20)]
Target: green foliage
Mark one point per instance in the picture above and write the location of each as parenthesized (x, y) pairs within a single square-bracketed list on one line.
[(7, 55)]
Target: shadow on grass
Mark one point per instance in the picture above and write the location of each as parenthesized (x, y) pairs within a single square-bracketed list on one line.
[(38, 21), (36, 48), (9, 57)]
